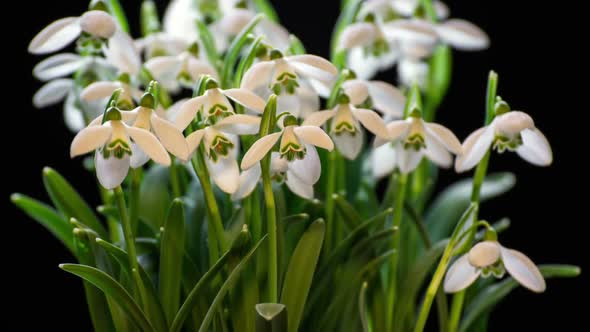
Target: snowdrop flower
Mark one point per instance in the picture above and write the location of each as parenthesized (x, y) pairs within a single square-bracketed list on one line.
[(408, 8), (179, 20), (377, 95), (293, 79), (510, 130), (62, 32), (113, 142), (160, 44), (102, 90), (490, 258), (123, 54), (409, 141), (346, 130)]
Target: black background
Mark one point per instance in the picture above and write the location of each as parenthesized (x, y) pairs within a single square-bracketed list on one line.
[(536, 49)]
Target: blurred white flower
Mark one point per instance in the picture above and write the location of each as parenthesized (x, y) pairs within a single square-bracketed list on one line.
[(378, 95), (160, 44), (490, 258), (174, 71), (102, 90)]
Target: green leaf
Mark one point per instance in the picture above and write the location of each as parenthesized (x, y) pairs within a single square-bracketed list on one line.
[(67, 200), (154, 197), (450, 204), (265, 7), (117, 11), (113, 289), (171, 257), (346, 17), (296, 46), (271, 317), (149, 21), (438, 81), (363, 306), (48, 218), (233, 276), (347, 211), (208, 42), (300, 272), (246, 62), (234, 50), (493, 294)]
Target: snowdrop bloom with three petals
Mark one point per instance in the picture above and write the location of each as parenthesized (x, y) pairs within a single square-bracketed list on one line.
[(490, 258), (512, 131), (409, 141), (174, 71), (113, 142), (345, 129)]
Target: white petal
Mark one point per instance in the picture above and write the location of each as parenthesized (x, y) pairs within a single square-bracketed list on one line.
[(111, 172), (99, 90), (239, 124), (171, 137), (73, 116), (55, 36), (164, 68), (247, 183), (350, 146), (460, 275), (179, 20), (535, 148), (275, 35), (259, 149), (98, 23), (365, 66), (258, 75), (149, 144), (315, 136), (412, 72), (309, 168), (52, 92), (437, 153), (313, 66), (234, 21), (298, 187), (409, 159), (122, 53), (356, 90), (387, 98), (463, 35), (413, 31), (277, 164), (474, 148), (246, 98), (196, 68), (193, 140), (89, 139), (357, 34), (484, 254), (225, 173), (445, 137), (58, 65), (188, 111), (319, 118), (523, 270), (308, 99), (372, 121), (138, 157), (383, 161)]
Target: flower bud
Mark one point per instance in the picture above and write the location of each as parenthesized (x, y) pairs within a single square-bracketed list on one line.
[(98, 23)]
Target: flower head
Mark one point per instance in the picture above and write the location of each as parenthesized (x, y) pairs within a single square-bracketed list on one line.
[(377, 95)]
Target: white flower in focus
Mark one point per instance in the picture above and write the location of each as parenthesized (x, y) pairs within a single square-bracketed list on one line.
[(513, 131), (378, 95), (113, 142), (60, 33), (409, 141), (173, 71), (490, 258), (346, 130)]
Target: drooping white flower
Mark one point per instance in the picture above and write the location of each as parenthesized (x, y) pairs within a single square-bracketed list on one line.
[(113, 142), (346, 129), (179, 20), (62, 32), (409, 141), (160, 44), (512, 131), (122, 53), (172, 71), (408, 8), (102, 90), (378, 95), (490, 258)]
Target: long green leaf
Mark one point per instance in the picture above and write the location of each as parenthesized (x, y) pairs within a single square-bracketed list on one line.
[(171, 257), (67, 200), (149, 21), (208, 43), (439, 79), (300, 272), (346, 17), (265, 7), (493, 294), (154, 197), (233, 52), (117, 11), (48, 218), (246, 61), (113, 289), (347, 211)]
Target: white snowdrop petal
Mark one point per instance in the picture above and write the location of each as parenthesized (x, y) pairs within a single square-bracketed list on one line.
[(259, 149), (474, 148), (356, 90), (383, 161), (149, 144), (52, 92), (437, 153), (188, 111), (308, 99), (318, 118), (73, 116), (194, 140), (247, 182), (365, 66), (298, 187), (372, 121), (58, 65), (239, 124), (484, 254), (463, 35), (445, 137), (89, 139), (278, 164), (413, 31), (313, 66), (138, 157), (512, 123), (411, 71), (409, 159), (122, 53), (55, 36), (398, 129), (232, 22), (225, 173), (350, 146), (535, 148), (315, 136), (98, 23), (274, 34), (111, 172), (460, 275), (387, 98), (246, 98), (258, 75), (171, 137), (309, 168), (196, 68), (164, 68), (99, 90), (523, 270), (357, 34), (179, 20)]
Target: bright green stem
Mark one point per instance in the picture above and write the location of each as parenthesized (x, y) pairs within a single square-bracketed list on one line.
[(398, 209), (479, 177), (215, 233), (271, 226), (429, 9), (134, 199), (456, 309), (174, 180), (330, 189)]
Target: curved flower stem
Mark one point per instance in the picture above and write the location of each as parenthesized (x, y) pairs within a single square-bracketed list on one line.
[(174, 180), (271, 225), (330, 189), (398, 209), (215, 227), (456, 309), (134, 198)]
